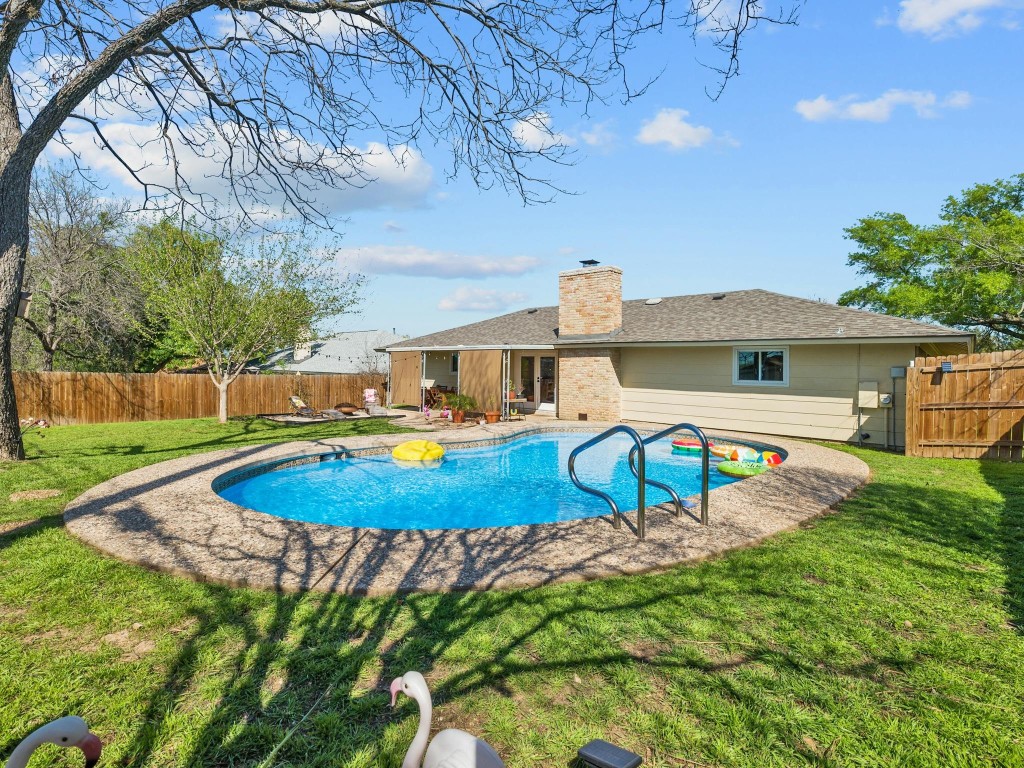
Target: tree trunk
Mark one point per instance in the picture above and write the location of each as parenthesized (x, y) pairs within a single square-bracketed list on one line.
[(15, 177), (222, 408), (47, 364)]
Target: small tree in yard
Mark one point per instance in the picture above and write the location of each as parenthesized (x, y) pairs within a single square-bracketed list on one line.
[(228, 300)]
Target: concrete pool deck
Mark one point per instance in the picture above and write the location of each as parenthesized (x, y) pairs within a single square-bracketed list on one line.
[(167, 517)]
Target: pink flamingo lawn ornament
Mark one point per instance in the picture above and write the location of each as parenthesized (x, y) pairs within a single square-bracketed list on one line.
[(451, 748), (68, 731)]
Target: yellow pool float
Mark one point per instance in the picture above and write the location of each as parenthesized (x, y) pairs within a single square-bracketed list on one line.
[(418, 450)]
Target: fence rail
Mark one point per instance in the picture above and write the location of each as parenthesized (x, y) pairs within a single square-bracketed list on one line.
[(974, 410), (92, 398)]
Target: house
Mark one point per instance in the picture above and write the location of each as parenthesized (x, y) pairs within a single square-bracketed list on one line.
[(753, 361), (348, 352)]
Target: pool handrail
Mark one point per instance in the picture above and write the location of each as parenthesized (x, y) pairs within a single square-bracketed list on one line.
[(705, 465), (641, 528)]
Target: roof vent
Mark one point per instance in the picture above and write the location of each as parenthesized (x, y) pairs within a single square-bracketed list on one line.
[(717, 296), (531, 311), (589, 262), (652, 302), (840, 331)]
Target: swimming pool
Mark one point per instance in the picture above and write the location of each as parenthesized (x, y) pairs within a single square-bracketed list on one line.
[(521, 482)]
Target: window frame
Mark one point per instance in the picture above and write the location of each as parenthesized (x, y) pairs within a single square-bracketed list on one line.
[(784, 349)]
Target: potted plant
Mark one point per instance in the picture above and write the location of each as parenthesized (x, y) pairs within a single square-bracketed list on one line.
[(511, 389), (492, 414), (459, 404)]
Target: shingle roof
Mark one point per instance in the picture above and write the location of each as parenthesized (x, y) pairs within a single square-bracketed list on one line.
[(349, 352), (753, 315)]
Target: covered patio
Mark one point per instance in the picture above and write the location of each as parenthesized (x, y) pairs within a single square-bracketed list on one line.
[(513, 380)]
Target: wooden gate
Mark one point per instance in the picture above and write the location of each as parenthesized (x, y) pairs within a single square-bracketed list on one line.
[(967, 406)]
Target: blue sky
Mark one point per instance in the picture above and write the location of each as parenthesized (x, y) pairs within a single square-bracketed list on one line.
[(864, 106)]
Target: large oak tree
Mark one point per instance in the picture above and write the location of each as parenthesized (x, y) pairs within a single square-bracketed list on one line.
[(965, 271), (277, 94)]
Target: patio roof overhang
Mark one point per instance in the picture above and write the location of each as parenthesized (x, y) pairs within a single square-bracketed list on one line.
[(467, 348)]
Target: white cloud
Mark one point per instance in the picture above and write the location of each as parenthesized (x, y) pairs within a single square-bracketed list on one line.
[(393, 227), (600, 136), (421, 262), (397, 177), (924, 103), (471, 299), (669, 127), (942, 18), (536, 134)]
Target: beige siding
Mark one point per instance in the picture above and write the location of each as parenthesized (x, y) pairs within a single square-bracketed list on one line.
[(405, 378), (695, 384), (480, 377)]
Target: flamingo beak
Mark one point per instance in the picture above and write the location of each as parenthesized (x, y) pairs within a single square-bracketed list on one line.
[(396, 686), (91, 747)]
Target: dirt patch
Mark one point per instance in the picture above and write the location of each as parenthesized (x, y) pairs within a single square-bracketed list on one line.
[(646, 650), (133, 646), (37, 495), (57, 633), (17, 526)]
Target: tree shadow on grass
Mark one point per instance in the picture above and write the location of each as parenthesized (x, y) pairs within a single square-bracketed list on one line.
[(248, 665), (1007, 479)]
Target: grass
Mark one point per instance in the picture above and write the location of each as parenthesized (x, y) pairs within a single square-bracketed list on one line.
[(886, 634)]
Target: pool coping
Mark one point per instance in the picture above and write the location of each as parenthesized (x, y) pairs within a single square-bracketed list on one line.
[(167, 517)]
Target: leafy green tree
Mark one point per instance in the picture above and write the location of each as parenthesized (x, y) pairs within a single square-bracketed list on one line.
[(966, 271), (228, 300)]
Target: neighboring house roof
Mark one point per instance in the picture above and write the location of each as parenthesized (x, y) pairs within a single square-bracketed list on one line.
[(349, 352), (738, 316)]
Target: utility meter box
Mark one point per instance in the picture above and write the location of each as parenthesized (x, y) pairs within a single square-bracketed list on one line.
[(867, 394), (885, 400)]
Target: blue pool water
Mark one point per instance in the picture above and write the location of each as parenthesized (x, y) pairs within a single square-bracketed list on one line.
[(522, 482)]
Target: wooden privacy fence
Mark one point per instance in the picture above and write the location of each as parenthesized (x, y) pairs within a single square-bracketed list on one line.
[(92, 398), (973, 409)]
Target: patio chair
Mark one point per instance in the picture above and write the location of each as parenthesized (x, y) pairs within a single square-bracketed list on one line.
[(301, 409)]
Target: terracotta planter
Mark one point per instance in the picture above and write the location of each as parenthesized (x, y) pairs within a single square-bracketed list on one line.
[(458, 417), (492, 416)]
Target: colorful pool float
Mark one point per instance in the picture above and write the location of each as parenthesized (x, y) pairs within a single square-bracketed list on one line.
[(743, 453), (722, 451), (687, 445), (742, 468), (771, 458), (418, 450)]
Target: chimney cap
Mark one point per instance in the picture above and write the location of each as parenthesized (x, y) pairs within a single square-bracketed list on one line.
[(589, 262)]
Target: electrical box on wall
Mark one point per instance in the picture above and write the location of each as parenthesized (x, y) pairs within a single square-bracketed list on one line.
[(885, 400), (867, 394)]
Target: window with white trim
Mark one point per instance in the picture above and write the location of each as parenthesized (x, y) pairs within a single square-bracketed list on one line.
[(761, 366)]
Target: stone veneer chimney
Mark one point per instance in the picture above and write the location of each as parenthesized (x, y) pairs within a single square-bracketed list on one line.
[(589, 301), (589, 304)]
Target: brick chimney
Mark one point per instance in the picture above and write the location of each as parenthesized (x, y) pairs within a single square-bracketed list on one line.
[(589, 301)]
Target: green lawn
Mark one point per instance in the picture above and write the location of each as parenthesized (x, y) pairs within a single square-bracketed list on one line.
[(887, 634)]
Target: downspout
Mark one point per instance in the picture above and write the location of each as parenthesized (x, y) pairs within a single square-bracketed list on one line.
[(860, 411), (423, 375)]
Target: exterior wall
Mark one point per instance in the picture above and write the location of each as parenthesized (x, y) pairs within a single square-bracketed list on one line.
[(439, 368), (589, 383), (589, 301), (405, 378), (670, 385), (481, 377)]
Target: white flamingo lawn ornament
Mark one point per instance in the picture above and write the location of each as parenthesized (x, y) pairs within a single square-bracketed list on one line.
[(451, 748), (68, 731)]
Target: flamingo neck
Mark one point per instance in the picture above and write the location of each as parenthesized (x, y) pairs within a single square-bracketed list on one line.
[(414, 757), (21, 754)]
